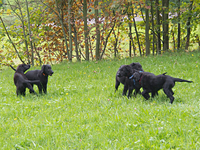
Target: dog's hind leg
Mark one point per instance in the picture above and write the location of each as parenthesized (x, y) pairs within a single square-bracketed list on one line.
[(31, 88), (31, 91), (169, 94), (171, 91), (167, 88)]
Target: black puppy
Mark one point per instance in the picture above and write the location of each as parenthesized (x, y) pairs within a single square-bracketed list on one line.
[(152, 84), (21, 82), (122, 76), (41, 75)]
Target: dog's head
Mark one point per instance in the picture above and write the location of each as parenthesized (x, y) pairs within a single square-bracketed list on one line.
[(125, 70), (136, 76), (22, 68), (136, 66), (46, 70)]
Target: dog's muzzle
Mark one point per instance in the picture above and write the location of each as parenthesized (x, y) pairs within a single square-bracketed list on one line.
[(119, 75), (51, 73)]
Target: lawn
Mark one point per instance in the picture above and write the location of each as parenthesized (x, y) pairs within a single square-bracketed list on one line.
[(82, 111)]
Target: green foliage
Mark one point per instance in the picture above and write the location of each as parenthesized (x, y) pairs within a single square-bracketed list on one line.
[(82, 111)]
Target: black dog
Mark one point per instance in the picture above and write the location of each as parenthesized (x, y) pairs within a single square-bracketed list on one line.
[(41, 75), (21, 82), (122, 76), (152, 84)]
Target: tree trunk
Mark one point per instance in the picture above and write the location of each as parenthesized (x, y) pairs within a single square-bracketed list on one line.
[(70, 29), (38, 55), (63, 29), (179, 25), (30, 34), (106, 42), (24, 32), (165, 4), (152, 21), (97, 30), (85, 29), (147, 30), (130, 36), (137, 35), (158, 27), (75, 40), (188, 26), (116, 39)]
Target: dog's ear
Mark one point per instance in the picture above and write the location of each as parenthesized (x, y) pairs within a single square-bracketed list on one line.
[(128, 70), (43, 69), (132, 64)]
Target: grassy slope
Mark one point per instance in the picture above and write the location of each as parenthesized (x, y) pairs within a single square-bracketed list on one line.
[(81, 110)]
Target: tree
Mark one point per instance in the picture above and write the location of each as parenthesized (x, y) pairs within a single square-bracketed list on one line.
[(30, 34), (85, 29), (96, 7), (179, 25), (70, 29), (152, 22), (136, 31), (147, 29), (158, 27), (165, 5), (21, 18), (188, 26)]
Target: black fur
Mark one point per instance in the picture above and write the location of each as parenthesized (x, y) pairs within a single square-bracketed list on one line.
[(21, 82), (152, 84), (122, 76), (41, 75)]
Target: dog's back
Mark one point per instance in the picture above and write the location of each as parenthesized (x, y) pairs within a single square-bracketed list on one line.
[(32, 74)]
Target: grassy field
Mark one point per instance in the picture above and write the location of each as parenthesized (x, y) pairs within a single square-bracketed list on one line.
[(82, 111)]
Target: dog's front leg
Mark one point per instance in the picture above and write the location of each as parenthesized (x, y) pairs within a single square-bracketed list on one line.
[(45, 88), (153, 94), (130, 90), (117, 85), (125, 89), (145, 94), (137, 91), (40, 88)]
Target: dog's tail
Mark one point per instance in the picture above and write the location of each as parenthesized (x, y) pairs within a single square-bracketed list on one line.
[(13, 68), (164, 73), (181, 80)]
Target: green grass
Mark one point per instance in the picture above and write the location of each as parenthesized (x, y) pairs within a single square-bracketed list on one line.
[(82, 111)]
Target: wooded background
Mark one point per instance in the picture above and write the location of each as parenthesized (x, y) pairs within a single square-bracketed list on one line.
[(41, 31)]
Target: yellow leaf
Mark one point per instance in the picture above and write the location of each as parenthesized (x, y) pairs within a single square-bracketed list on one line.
[(8, 11)]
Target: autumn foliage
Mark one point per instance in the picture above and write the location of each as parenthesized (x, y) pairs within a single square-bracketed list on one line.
[(63, 31)]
